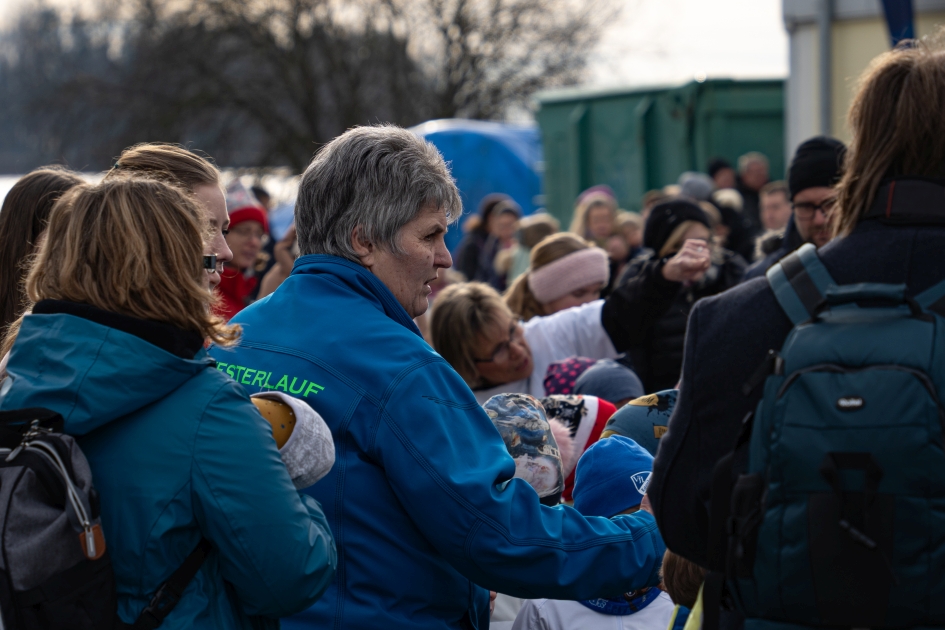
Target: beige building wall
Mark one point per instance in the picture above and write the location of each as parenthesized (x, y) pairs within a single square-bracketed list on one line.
[(854, 44), (858, 34)]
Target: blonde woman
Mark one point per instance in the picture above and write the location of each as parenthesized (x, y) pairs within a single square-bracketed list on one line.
[(178, 453), (194, 174), (565, 271), (595, 215), (657, 357)]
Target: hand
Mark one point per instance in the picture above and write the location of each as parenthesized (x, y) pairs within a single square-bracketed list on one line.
[(492, 596), (645, 504), (282, 252), (690, 263), (309, 451)]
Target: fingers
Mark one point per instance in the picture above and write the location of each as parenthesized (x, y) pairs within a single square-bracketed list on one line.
[(694, 258), (645, 504)]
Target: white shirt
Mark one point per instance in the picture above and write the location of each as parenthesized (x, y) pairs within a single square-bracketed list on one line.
[(553, 614), (575, 331)]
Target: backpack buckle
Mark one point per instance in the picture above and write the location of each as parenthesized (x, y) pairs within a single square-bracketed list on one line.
[(161, 605)]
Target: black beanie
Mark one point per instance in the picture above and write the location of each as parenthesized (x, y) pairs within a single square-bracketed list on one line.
[(817, 162), (716, 165), (666, 217)]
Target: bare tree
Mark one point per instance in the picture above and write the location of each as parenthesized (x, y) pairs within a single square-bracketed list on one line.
[(487, 56), (264, 82)]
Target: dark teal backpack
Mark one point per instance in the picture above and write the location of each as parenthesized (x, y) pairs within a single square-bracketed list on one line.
[(831, 509)]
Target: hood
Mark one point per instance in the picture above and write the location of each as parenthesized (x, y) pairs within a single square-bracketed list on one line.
[(93, 371), (360, 280), (768, 243)]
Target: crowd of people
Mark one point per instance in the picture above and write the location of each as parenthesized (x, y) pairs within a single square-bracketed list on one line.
[(349, 427)]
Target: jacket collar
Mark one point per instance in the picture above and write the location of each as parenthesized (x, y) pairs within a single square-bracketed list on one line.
[(182, 343), (359, 280), (909, 201)]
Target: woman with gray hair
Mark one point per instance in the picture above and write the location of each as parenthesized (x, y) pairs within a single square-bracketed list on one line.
[(422, 498)]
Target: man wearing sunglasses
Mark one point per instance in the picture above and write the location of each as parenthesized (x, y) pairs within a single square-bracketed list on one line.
[(816, 167)]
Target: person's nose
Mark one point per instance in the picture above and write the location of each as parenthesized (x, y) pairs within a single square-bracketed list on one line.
[(516, 349), (222, 249), (442, 257), (820, 217)]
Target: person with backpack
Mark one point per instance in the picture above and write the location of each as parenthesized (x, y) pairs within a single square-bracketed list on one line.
[(193, 512), (838, 478)]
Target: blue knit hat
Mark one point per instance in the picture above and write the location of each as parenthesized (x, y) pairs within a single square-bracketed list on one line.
[(643, 420), (612, 476), (610, 380)]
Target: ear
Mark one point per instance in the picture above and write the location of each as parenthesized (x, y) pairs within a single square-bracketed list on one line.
[(366, 250)]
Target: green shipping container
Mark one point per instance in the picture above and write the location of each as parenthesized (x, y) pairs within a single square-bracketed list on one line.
[(637, 140)]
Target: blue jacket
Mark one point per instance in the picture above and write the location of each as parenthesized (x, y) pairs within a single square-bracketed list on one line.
[(421, 498), (177, 452)]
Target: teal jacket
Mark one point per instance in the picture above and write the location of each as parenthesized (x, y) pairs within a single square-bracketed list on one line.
[(177, 452), (421, 498)]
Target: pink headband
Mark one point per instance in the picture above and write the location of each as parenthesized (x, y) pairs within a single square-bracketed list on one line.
[(570, 273)]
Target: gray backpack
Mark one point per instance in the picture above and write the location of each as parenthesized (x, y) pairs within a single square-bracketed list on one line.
[(55, 572)]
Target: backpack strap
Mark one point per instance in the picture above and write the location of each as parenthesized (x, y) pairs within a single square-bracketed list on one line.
[(933, 299), (799, 283), (168, 594)]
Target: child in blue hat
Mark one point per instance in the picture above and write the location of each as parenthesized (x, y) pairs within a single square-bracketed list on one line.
[(612, 478)]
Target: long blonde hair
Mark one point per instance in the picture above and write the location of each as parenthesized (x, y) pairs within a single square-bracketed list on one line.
[(897, 126), (588, 203), (519, 297), (130, 246)]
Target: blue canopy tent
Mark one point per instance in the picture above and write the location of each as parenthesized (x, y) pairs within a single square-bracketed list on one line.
[(488, 157)]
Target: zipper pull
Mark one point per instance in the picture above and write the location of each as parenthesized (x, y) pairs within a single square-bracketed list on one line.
[(92, 541)]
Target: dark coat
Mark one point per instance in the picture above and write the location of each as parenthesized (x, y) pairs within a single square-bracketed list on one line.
[(751, 204), (728, 337), (658, 359), (788, 243), (469, 253)]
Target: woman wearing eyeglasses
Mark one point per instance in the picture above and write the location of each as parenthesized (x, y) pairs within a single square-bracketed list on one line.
[(473, 328)]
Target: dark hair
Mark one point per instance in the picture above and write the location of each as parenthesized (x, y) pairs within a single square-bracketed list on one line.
[(259, 192), (717, 164), (681, 579), (487, 206), (23, 219)]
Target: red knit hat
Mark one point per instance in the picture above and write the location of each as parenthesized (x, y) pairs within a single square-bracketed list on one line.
[(242, 206)]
